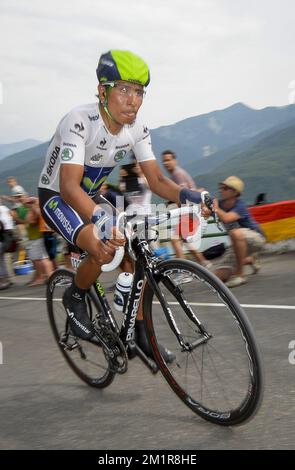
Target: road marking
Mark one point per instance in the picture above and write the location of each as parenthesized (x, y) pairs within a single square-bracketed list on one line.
[(210, 304), (197, 304), (38, 299)]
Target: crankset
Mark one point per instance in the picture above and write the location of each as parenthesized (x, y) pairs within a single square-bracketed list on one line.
[(113, 348)]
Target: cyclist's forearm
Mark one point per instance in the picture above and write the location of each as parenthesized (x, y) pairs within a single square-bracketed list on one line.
[(166, 189)]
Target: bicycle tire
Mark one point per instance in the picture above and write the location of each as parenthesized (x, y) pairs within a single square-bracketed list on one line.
[(229, 363), (86, 358)]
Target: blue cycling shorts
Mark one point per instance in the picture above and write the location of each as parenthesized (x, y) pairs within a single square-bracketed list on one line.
[(59, 216)]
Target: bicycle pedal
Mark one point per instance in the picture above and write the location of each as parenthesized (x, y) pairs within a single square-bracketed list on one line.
[(122, 366), (69, 347), (150, 363)]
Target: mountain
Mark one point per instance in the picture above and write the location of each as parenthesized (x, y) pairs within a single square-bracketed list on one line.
[(207, 165), (198, 138), (202, 143), (10, 149), (266, 167), (25, 166)]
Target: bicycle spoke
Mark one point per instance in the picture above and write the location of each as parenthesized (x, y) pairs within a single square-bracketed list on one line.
[(214, 376), (86, 358)]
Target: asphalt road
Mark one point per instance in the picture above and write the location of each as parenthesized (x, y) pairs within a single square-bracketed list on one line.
[(45, 406)]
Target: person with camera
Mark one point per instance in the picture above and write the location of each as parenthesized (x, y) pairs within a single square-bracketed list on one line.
[(247, 238)]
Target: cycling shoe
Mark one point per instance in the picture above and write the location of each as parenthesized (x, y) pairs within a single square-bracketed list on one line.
[(142, 342), (79, 320)]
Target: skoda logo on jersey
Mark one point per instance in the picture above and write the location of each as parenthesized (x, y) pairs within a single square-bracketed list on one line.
[(67, 154), (45, 179), (120, 155), (52, 160), (95, 159), (79, 127)]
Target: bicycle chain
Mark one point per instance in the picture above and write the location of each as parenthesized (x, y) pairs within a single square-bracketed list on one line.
[(114, 349)]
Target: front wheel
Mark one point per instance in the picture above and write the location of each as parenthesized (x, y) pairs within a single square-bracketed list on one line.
[(218, 370), (87, 358)]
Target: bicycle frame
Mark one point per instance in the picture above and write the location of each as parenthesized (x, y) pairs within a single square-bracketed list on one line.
[(127, 330), (145, 269)]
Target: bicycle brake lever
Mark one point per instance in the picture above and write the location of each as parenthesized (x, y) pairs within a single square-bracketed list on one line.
[(116, 261), (208, 201)]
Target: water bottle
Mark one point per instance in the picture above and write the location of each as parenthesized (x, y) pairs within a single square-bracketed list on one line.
[(123, 286)]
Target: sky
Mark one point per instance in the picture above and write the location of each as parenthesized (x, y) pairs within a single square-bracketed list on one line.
[(203, 55)]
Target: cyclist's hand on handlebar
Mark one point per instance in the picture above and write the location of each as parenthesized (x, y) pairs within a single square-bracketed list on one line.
[(107, 248), (205, 212), (105, 252), (207, 208), (207, 200), (107, 233), (117, 239)]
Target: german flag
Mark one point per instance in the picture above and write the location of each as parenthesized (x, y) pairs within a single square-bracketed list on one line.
[(277, 220)]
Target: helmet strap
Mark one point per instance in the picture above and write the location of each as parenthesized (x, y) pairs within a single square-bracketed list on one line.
[(105, 106)]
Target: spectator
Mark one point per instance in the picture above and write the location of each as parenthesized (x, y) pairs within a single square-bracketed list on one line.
[(6, 237), (136, 190), (29, 213), (50, 241), (260, 199), (112, 194), (246, 236), (15, 189), (183, 179), (4, 281), (9, 240)]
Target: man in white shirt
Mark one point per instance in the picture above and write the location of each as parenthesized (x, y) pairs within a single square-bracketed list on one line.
[(6, 227), (15, 188), (184, 180)]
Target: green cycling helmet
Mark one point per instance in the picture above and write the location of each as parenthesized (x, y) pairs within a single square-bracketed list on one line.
[(122, 65)]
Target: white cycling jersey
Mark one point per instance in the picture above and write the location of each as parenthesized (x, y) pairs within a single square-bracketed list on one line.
[(82, 138)]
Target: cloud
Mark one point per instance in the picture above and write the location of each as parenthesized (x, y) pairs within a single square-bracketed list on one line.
[(203, 55)]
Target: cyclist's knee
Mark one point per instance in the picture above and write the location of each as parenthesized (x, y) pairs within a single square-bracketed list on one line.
[(87, 241)]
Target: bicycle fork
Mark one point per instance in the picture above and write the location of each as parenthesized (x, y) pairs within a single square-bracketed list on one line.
[(177, 292)]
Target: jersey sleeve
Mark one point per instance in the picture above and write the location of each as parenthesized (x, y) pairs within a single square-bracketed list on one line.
[(143, 146), (73, 136)]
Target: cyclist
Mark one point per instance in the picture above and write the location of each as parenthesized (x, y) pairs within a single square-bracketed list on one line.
[(88, 143)]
